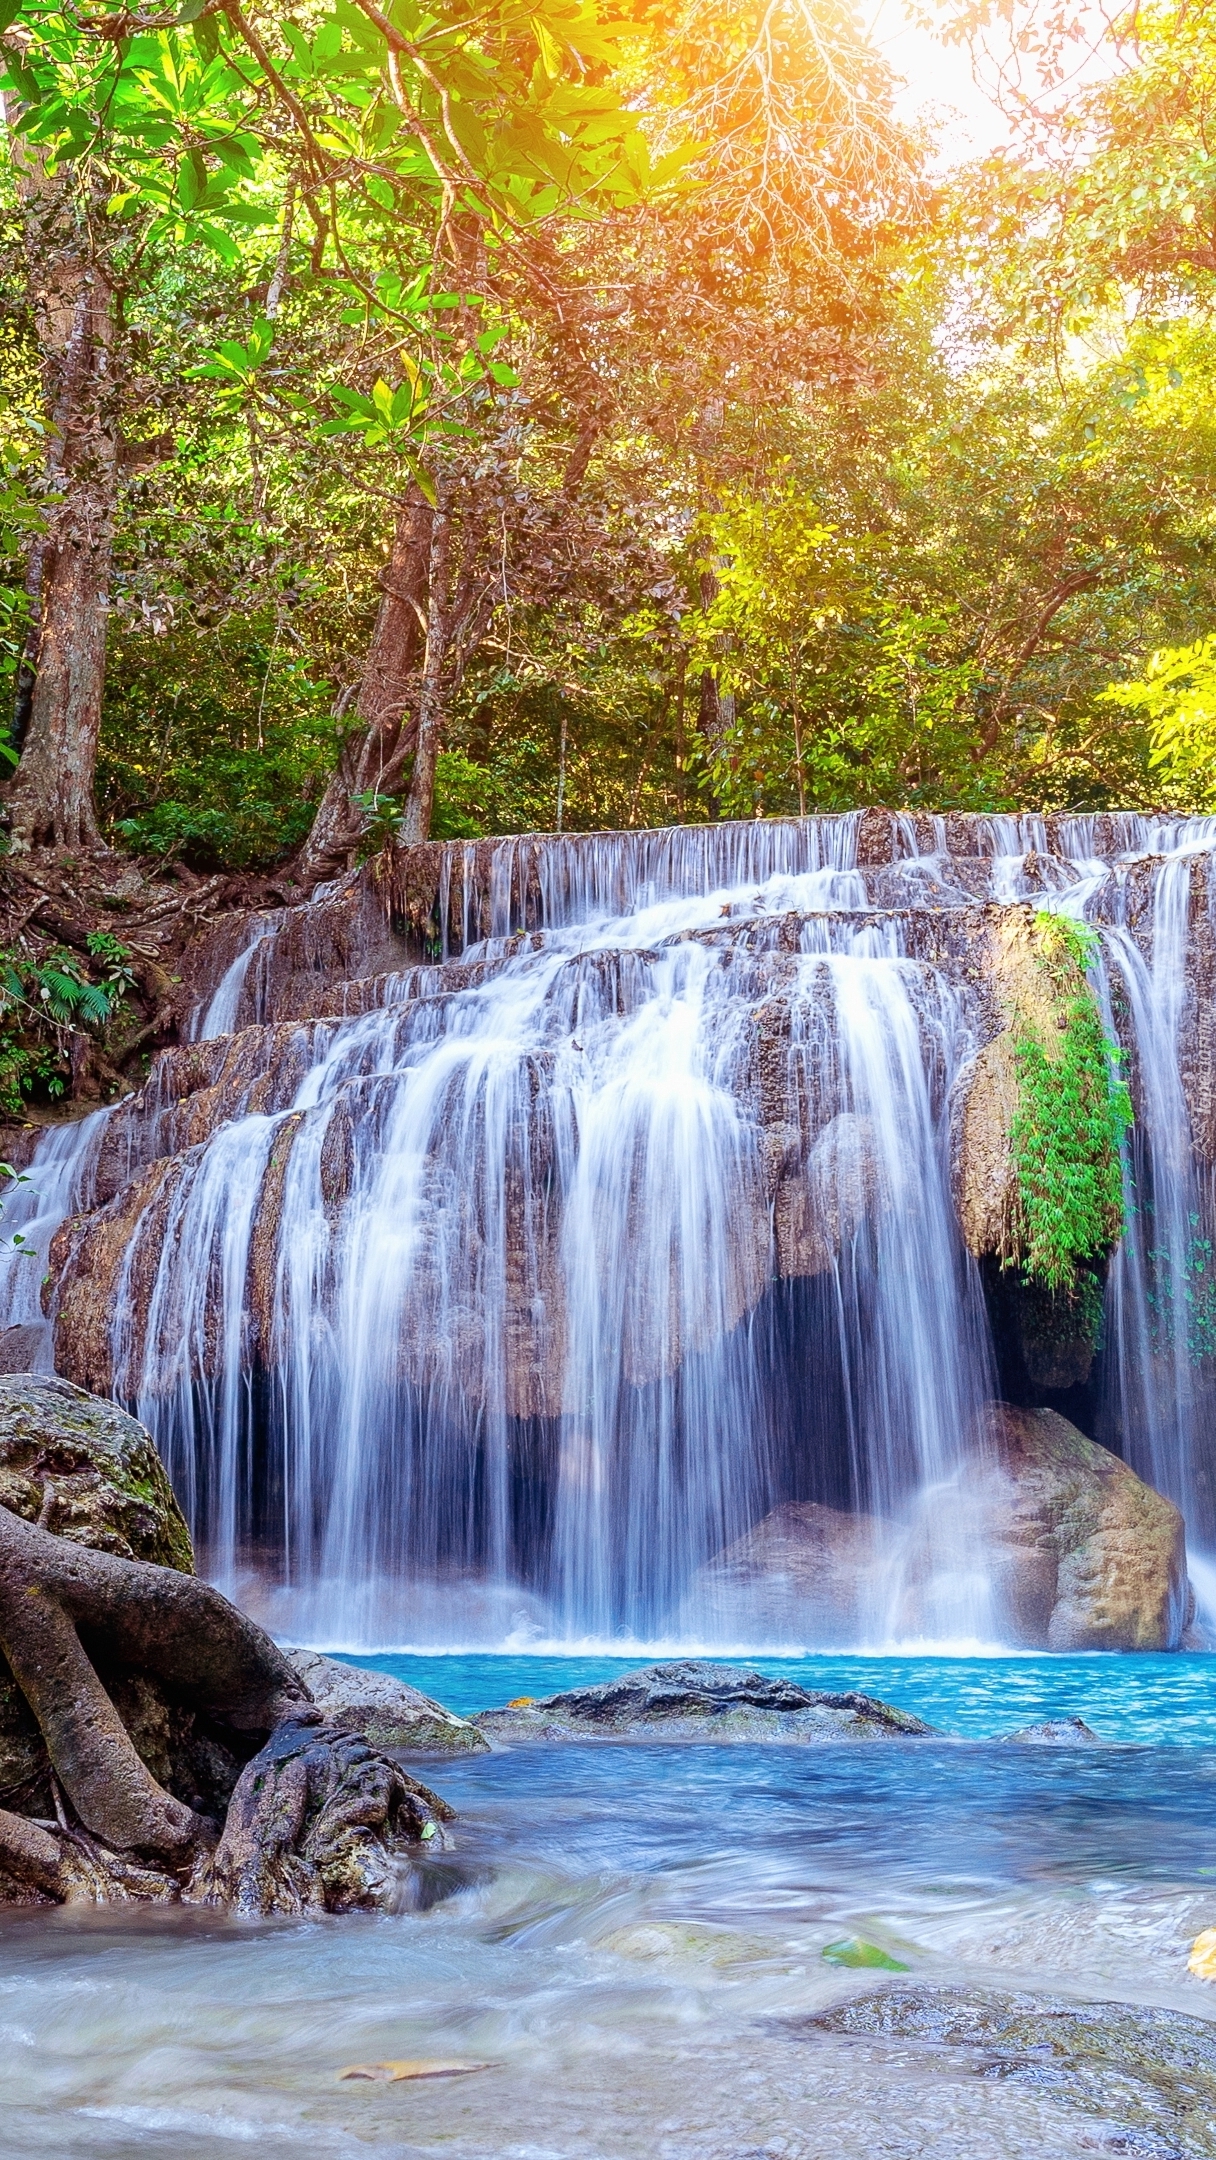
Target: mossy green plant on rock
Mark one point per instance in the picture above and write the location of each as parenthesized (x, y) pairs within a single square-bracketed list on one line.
[(1072, 1112)]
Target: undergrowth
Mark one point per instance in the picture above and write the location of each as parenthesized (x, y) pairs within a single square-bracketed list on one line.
[(45, 1003), (1073, 1110)]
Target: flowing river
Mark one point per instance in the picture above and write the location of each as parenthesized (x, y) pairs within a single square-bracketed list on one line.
[(631, 1940)]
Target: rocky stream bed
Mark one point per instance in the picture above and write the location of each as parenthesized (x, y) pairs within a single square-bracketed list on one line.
[(728, 1915)]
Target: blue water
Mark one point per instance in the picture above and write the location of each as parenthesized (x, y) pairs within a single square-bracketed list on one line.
[(811, 1821), (1144, 1700), (629, 1938)]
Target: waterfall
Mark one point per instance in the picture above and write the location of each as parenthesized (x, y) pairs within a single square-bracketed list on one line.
[(57, 1181), (497, 1292)]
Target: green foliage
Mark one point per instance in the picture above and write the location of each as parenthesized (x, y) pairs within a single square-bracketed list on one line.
[(1176, 695), (214, 746), (1071, 1115), (44, 1003), (1182, 1300)]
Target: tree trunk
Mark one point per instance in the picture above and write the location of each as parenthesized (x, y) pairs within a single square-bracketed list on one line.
[(374, 752), (59, 713), (715, 713), (420, 804)]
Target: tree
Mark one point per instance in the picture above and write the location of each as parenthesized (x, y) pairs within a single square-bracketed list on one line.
[(126, 143)]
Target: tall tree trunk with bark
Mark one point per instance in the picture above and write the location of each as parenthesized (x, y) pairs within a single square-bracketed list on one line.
[(715, 711), (373, 754), (420, 803), (59, 707)]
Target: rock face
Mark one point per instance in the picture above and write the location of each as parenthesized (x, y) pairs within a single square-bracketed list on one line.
[(385, 1711), (1150, 2072), (695, 1701), (1085, 1555)]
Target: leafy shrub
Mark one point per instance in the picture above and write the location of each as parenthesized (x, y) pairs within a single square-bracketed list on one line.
[(43, 1003), (1073, 1110)]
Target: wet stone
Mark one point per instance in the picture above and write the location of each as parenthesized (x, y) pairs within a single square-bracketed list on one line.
[(698, 1701), (387, 1712), (1149, 2073), (1054, 1732)]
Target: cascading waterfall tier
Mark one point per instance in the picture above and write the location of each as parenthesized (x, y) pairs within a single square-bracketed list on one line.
[(521, 1222)]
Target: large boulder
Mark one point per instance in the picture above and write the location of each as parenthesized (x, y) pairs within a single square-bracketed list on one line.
[(1071, 1549), (1084, 1554), (693, 1700), (83, 1469), (388, 1712), (803, 1574)]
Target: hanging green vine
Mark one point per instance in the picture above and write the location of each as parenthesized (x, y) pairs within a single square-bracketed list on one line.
[(1072, 1111)]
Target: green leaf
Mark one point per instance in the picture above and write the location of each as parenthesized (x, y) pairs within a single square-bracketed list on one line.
[(852, 1951), (191, 179), (207, 37)]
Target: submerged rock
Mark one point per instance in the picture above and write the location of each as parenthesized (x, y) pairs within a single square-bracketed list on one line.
[(1054, 1732), (1084, 1554), (694, 1700), (1150, 2072), (388, 1712)]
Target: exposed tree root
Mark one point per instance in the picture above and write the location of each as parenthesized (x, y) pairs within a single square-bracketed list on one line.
[(151, 1619), (312, 1825)]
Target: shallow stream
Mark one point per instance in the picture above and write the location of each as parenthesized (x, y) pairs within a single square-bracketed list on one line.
[(630, 1938)]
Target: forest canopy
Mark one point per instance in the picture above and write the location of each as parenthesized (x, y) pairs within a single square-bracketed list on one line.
[(498, 418)]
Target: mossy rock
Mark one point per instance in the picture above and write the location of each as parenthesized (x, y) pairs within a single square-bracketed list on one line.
[(1151, 2073), (83, 1469)]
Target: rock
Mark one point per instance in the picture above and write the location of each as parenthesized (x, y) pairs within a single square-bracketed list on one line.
[(694, 1700), (1084, 1555), (83, 1469), (804, 1574), (387, 1712), (1054, 1732), (1152, 2072), (1079, 1552), (24, 1347)]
